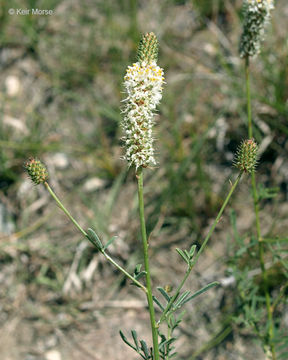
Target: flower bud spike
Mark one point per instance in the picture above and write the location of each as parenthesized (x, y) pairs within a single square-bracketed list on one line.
[(36, 170), (256, 16), (246, 156), (148, 49), (143, 86)]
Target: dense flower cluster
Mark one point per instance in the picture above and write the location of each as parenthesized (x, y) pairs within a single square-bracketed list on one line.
[(246, 156), (256, 15), (36, 171), (143, 85)]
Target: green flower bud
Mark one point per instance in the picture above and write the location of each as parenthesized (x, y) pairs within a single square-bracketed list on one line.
[(246, 156), (36, 171), (148, 49)]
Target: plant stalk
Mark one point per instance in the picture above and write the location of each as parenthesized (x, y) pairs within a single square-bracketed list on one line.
[(62, 207), (257, 219), (212, 228), (154, 326)]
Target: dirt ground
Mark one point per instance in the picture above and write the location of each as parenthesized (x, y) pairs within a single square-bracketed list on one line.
[(60, 300)]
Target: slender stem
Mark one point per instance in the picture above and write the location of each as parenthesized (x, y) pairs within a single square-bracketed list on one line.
[(233, 187), (169, 336), (154, 326), (188, 271), (62, 207), (124, 272), (248, 95), (258, 226), (175, 296)]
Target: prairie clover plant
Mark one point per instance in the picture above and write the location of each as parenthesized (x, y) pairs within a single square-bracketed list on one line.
[(256, 16), (143, 84)]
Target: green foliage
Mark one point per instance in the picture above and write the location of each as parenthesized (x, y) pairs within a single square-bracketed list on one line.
[(138, 274), (266, 192), (139, 346), (187, 256), (250, 311), (93, 237)]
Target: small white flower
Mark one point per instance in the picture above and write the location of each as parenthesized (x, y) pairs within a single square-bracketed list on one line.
[(256, 16), (143, 84)]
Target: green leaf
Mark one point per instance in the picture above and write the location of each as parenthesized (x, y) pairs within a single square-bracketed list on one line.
[(94, 239), (181, 300), (201, 291), (192, 251), (177, 321), (135, 338), (110, 241), (158, 303), (137, 268), (126, 341), (276, 239), (172, 355), (141, 274), (171, 321), (166, 343), (283, 356), (164, 293), (183, 255), (138, 273), (187, 253), (266, 192), (144, 347), (233, 222)]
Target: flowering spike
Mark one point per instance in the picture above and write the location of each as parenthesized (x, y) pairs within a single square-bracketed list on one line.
[(148, 49), (36, 171), (143, 85), (246, 156), (256, 16)]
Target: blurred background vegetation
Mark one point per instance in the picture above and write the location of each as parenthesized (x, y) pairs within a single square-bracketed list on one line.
[(60, 94)]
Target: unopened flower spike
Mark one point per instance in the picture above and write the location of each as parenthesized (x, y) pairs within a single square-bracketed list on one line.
[(246, 156), (256, 15), (148, 48), (143, 86), (36, 170)]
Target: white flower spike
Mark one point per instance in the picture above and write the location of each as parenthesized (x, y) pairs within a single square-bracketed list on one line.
[(256, 16), (143, 85)]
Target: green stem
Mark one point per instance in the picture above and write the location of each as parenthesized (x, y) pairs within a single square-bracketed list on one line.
[(248, 95), (258, 226), (169, 336), (124, 272), (233, 187), (175, 296), (188, 271), (154, 326), (62, 207)]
